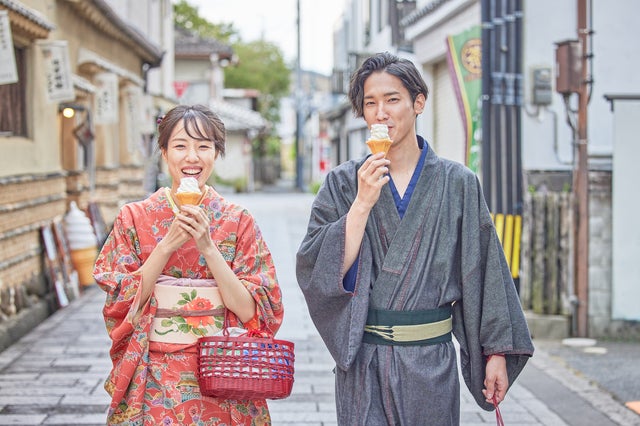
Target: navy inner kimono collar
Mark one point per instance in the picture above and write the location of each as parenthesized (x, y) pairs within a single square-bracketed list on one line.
[(403, 202)]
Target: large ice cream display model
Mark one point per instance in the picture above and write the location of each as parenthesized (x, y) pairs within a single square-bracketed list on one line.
[(83, 243), (379, 140), (188, 192)]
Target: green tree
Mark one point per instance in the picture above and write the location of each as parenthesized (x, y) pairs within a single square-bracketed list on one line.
[(186, 16), (260, 66)]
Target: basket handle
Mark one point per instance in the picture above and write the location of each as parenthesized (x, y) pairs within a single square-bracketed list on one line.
[(261, 332)]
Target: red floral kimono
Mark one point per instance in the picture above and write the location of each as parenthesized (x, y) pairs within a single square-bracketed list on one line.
[(154, 383)]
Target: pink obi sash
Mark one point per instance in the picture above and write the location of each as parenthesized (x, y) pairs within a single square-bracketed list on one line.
[(187, 310)]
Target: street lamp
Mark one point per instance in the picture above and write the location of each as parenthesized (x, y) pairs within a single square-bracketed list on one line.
[(69, 110)]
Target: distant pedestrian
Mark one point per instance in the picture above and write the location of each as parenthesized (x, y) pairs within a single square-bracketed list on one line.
[(170, 268), (400, 252)]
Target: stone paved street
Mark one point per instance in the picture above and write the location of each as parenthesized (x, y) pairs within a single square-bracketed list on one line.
[(54, 375)]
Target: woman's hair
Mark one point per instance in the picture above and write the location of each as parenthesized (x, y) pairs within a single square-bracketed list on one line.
[(199, 122), (404, 69)]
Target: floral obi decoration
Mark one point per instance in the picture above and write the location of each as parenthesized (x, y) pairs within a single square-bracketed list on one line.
[(187, 310)]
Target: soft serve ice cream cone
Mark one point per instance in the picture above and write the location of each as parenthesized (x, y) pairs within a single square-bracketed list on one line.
[(83, 243), (379, 140), (188, 192)]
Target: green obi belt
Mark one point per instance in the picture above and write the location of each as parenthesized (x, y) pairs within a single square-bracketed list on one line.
[(408, 328)]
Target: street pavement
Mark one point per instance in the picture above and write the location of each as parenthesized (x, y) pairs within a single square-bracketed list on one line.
[(54, 375)]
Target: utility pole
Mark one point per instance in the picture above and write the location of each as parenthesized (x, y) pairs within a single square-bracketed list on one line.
[(581, 179), (298, 102)]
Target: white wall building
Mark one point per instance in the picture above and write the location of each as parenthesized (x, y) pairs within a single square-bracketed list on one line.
[(547, 139), (154, 19), (547, 145)]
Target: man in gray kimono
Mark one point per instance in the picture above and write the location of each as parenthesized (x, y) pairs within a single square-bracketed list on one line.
[(400, 252)]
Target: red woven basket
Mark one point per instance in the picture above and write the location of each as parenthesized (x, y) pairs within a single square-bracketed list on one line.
[(245, 367)]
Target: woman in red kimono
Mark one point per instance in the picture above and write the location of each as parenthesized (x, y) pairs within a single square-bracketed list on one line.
[(169, 271)]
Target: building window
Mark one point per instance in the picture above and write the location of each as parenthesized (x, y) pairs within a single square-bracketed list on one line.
[(13, 116)]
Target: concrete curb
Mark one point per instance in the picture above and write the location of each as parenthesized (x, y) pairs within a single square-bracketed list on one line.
[(14, 328)]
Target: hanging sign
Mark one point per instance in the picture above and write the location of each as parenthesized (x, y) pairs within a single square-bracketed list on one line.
[(180, 87), (132, 100), (57, 69), (147, 117), (106, 98), (8, 70)]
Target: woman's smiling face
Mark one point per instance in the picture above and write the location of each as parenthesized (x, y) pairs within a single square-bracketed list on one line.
[(189, 157)]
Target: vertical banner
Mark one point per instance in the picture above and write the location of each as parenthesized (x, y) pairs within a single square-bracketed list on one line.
[(8, 70), (464, 55), (106, 98), (57, 69), (132, 97), (148, 115)]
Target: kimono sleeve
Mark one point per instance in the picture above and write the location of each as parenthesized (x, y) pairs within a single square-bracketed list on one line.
[(339, 315), (117, 272), (489, 319), (253, 265)]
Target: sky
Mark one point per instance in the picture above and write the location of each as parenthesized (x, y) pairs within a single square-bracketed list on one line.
[(275, 21)]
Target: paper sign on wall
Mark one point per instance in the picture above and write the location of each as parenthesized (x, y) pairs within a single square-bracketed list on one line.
[(106, 98), (57, 68), (132, 98), (8, 70)]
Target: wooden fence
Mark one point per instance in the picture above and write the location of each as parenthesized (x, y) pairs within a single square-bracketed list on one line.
[(546, 262)]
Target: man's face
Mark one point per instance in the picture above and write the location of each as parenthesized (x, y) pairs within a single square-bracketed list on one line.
[(387, 101)]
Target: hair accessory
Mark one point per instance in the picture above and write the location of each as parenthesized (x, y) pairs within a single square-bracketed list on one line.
[(159, 119)]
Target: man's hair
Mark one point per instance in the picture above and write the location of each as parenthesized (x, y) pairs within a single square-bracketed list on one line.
[(402, 68)]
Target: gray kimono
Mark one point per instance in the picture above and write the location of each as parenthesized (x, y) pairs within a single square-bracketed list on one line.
[(443, 251)]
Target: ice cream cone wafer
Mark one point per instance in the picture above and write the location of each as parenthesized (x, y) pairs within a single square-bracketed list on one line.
[(379, 145), (379, 140), (188, 193), (188, 198)]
